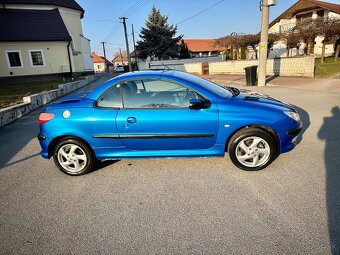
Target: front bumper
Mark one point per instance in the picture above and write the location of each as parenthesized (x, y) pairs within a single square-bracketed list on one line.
[(295, 131), (290, 137)]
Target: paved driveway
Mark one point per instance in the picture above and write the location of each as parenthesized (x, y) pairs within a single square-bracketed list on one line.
[(181, 206)]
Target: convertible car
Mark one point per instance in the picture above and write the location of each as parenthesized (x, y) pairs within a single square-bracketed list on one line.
[(165, 113)]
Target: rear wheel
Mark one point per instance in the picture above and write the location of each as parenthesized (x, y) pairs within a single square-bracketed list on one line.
[(252, 149), (73, 157)]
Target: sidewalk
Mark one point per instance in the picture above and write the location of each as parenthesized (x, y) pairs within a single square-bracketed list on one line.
[(328, 85)]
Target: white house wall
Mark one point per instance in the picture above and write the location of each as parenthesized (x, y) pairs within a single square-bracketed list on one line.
[(72, 21), (55, 58), (86, 53)]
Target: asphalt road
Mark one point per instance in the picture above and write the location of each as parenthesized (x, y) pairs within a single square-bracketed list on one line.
[(180, 206)]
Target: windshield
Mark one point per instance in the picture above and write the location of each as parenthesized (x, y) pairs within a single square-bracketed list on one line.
[(225, 92)]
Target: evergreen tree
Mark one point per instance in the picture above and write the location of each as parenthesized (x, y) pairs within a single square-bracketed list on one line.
[(184, 51), (158, 37)]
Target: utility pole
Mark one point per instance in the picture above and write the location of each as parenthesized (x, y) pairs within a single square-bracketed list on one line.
[(104, 49), (121, 56), (264, 7), (127, 43), (134, 46), (263, 43)]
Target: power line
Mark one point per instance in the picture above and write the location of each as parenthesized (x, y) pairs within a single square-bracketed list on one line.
[(101, 20), (195, 15), (139, 4)]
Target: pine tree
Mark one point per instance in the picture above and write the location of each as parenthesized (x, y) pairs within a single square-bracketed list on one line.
[(158, 38), (184, 51)]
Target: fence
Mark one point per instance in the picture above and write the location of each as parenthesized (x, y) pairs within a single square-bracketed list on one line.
[(294, 66), (176, 64)]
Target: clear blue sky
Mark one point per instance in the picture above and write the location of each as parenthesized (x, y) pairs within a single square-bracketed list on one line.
[(226, 17)]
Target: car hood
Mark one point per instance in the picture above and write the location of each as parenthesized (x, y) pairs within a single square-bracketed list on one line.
[(264, 100)]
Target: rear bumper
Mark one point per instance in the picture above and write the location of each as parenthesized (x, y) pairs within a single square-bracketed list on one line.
[(44, 145), (41, 137)]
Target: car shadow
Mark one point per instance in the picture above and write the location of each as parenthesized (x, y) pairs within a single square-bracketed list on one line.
[(16, 135), (331, 134), (304, 116), (102, 164)]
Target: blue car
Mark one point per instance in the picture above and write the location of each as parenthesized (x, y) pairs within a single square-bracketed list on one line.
[(165, 113)]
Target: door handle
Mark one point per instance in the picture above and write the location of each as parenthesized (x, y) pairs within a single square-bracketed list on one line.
[(131, 120)]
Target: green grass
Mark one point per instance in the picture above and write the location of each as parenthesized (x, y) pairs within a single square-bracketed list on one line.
[(12, 93), (327, 69)]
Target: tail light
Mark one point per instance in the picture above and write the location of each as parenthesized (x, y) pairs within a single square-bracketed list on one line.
[(44, 117)]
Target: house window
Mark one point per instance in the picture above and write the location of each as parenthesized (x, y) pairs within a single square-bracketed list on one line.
[(320, 13), (37, 58), (14, 59)]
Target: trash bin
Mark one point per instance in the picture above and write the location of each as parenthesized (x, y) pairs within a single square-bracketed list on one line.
[(251, 75)]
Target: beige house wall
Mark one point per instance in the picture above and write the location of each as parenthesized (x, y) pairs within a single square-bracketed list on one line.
[(72, 20), (99, 67), (54, 54)]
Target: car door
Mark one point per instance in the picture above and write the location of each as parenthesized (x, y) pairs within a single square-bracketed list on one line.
[(156, 116), (101, 120)]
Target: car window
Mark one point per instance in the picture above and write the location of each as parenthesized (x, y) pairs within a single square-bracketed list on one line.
[(111, 98), (156, 94)]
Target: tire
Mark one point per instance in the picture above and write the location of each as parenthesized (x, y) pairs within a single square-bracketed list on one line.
[(73, 156), (252, 149)]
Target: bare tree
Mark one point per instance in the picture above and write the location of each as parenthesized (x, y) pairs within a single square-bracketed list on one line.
[(292, 40), (329, 29), (253, 41)]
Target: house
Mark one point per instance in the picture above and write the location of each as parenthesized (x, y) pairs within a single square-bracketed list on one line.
[(301, 10), (42, 38), (120, 60), (203, 48), (101, 64)]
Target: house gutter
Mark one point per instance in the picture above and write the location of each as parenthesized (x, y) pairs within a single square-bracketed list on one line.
[(69, 57)]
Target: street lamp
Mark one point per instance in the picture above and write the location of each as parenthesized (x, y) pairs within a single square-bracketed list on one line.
[(264, 7)]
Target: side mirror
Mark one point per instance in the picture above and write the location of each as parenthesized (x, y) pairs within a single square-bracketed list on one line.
[(197, 104)]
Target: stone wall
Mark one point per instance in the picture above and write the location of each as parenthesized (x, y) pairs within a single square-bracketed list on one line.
[(35, 101), (295, 66)]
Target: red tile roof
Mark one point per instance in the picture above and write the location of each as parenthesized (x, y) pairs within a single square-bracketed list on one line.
[(202, 45), (99, 59), (329, 6)]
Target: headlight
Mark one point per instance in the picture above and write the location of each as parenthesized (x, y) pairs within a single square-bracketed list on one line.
[(293, 115)]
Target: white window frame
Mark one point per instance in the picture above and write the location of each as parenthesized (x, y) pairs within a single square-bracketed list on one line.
[(20, 56), (31, 60)]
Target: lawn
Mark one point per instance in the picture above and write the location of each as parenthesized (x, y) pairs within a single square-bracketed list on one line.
[(12, 93), (327, 69)]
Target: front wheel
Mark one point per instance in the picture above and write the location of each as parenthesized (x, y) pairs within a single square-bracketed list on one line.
[(252, 149), (73, 157)]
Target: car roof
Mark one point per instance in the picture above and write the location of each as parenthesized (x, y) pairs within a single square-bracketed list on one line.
[(152, 74)]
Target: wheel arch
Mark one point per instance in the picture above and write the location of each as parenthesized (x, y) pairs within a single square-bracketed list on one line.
[(267, 129), (57, 139)]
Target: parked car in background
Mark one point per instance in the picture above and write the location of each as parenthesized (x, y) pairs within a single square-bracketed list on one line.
[(166, 114), (119, 68)]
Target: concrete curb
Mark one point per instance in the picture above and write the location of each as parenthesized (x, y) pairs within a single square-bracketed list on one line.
[(35, 101)]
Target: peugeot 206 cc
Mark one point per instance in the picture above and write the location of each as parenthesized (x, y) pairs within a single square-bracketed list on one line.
[(166, 113)]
